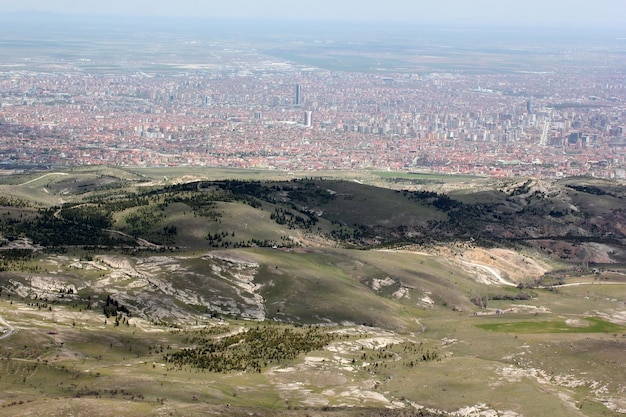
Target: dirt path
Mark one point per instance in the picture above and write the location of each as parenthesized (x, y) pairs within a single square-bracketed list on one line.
[(497, 275), (43, 176), (492, 271), (6, 325), (140, 241), (576, 284)]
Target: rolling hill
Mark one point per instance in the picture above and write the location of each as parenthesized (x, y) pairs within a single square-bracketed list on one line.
[(114, 277)]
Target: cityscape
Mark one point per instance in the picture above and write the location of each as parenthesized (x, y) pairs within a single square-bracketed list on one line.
[(561, 114), (332, 209)]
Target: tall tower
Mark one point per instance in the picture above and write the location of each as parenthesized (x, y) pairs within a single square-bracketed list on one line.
[(529, 106), (298, 98), (308, 118)]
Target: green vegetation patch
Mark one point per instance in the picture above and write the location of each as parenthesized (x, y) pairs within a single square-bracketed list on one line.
[(586, 325), (250, 350)]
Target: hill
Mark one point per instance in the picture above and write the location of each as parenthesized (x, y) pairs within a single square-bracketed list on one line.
[(198, 291)]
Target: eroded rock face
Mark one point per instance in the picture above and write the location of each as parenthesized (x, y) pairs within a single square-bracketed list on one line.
[(213, 283), (591, 252)]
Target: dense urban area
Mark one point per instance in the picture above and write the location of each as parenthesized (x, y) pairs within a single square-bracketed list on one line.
[(242, 108), (340, 218)]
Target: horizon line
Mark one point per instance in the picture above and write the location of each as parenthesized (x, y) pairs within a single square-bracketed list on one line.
[(425, 23)]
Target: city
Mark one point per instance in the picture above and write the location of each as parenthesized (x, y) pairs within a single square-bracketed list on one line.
[(334, 209), (239, 106)]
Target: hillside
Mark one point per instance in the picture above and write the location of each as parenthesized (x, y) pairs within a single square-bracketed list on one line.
[(114, 275)]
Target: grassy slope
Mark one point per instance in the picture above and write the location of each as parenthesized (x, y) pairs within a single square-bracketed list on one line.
[(310, 285), (92, 357), (356, 203)]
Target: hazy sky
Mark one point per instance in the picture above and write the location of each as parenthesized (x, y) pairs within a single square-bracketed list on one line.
[(579, 13)]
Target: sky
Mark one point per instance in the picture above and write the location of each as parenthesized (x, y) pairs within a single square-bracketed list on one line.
[(519, 13)]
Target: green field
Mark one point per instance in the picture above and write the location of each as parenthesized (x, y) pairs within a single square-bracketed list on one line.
[(586, 325)]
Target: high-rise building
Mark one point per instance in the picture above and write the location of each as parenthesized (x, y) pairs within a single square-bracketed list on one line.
[(308, 118), (529, 106), (298, 98), (573, 138)]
